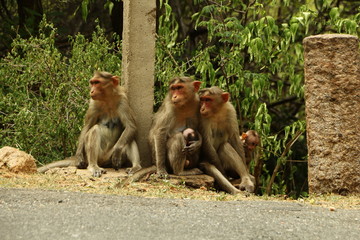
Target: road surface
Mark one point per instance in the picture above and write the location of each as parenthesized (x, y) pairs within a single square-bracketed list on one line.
[(36, 214)]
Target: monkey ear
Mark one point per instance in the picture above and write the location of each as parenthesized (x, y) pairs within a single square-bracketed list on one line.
[(225, 96), (115, 80), (244, 136), (196, 85)]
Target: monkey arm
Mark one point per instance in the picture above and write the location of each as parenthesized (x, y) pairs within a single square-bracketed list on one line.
[(127, 136), (159, 136), (194, 146), (138, 175), (211, 155), (90, 120), (127, 119), (207, 149)]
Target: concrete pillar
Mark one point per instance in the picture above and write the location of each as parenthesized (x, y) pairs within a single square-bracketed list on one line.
[(138, 65), (332, 95)]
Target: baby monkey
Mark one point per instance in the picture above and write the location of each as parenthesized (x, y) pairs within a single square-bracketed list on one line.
[(251, 140), (190, 136)]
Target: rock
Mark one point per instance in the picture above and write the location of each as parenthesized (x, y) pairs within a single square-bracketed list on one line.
[(14, 160), (195, 181)]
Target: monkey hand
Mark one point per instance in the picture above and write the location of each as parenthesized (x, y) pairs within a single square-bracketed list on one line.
[(80, 161), (118, 157), (191, 148), (162, 173)]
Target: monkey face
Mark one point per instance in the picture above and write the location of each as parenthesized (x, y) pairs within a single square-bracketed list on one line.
[(100, 88), (206, 106), (178, 93), (251, 142), (182, 90), (212, 101), (210, 105)]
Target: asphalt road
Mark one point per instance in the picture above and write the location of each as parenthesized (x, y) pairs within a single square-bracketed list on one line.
[(36, 214)]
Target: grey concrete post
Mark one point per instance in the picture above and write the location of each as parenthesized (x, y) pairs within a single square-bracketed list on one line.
[(138, 66), (332, 94)]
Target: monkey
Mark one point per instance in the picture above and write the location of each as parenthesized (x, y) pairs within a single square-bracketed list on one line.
[(222, 150), (174, 138), (179, 111), (108, 135), (250, 140), (190, 136)]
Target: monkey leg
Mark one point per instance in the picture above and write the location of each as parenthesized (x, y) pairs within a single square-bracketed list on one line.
[(232, 161), (224, 184), (177, 158), (138, 175), (94, 150), (133, 155)]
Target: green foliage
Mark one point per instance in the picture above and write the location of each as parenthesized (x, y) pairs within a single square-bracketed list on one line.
[(253, 49), (44, 94)]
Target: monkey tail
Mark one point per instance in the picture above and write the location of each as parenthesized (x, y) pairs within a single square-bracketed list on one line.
[(62, 163), (138, 175)]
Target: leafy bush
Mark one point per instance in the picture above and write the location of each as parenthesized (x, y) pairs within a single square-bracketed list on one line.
[(253, 50), (44, 94)]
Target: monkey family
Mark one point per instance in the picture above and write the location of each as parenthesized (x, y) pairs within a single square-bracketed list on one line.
[(194, 131)]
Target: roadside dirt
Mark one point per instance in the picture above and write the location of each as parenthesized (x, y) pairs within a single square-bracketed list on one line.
[(75, 180)]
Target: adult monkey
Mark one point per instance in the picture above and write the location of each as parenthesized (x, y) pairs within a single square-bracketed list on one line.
[(174, 139), (108, 136), (221, 142), (179, 111)]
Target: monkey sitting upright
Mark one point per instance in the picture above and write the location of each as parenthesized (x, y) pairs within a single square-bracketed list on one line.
[(179, 110), (223, 150), (174, 138), (108, 136)]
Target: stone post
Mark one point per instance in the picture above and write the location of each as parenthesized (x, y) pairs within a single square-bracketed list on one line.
[(138, 65), (332, 95)]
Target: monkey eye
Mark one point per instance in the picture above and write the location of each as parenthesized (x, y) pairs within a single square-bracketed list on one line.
[(205, 99), (94, 82), (176, 87)]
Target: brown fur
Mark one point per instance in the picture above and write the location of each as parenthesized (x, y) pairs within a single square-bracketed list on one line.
[(179, 110), (108, 135), (221, 144), (250, 140)]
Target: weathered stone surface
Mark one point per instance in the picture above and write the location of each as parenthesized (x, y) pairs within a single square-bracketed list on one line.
[(195, 181), (14, 160), (138, 66), (332, 94)]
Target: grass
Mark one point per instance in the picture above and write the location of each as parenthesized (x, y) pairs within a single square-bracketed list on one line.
[(156, 188)]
